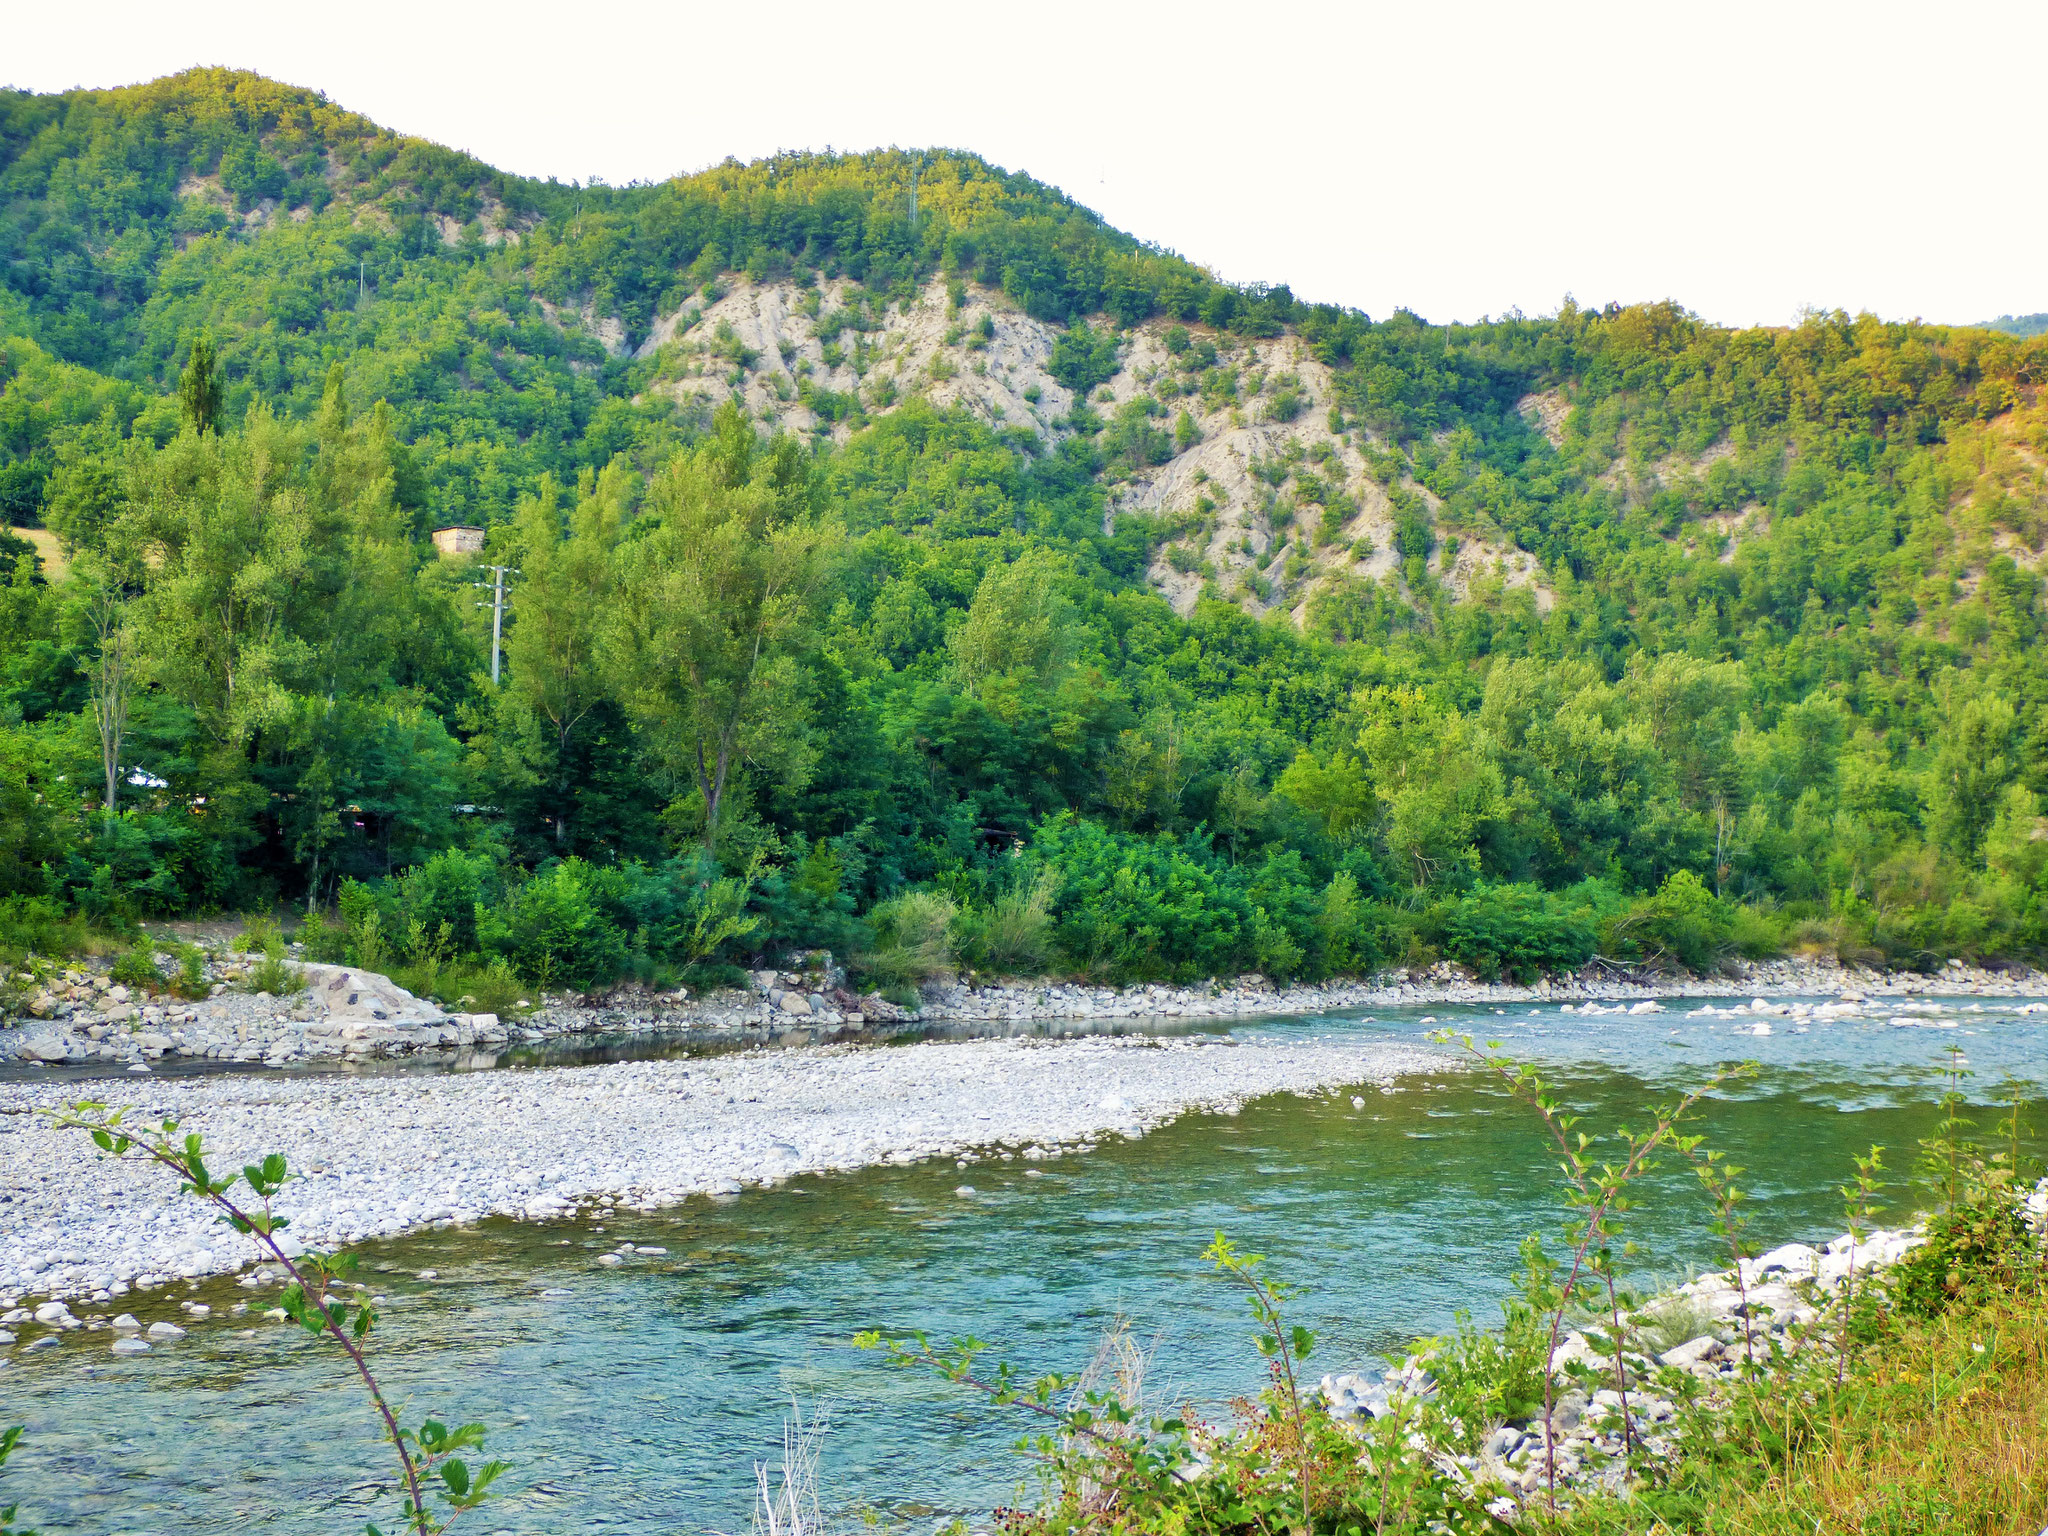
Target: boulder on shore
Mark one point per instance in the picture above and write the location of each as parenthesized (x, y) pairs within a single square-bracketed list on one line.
[(345, 995)]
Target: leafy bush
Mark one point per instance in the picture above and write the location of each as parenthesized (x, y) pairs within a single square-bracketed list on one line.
[(137, 967), (259, 930), (1350, 927), (477, 986), (1756, 934), (366, 941), (1515, 931), (447, 889), (1484, 1378), (552, 932), (324, 941), (1683, 924), (273, 974), (1133, 906), (39, 925), (1975, 1248), (1083, 358), (190, 982)]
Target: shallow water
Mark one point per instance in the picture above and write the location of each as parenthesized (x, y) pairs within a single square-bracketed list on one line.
[(638, 1401)]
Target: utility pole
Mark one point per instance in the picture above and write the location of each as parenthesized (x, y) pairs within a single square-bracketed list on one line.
[(496, 587)]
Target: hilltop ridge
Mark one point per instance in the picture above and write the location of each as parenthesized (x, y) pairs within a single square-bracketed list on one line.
[(520, 326)]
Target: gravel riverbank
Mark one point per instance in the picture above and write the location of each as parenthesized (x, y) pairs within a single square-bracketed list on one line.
[(385, 1154), (81, 1018)]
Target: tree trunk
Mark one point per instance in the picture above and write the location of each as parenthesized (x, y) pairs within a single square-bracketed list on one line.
[(711, 784), (110, 696)]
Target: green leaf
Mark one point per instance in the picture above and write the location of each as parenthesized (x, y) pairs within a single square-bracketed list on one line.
[(456, 1476)]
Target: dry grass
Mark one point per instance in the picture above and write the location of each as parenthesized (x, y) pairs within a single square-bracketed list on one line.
[(788, 1504), (48, 552), (1948, 1433), (1943, 1433)]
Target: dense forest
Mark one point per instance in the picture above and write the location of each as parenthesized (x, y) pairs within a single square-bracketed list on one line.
[(907, 695)]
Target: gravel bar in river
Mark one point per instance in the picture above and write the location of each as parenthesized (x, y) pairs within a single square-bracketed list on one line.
[(381, 1155)]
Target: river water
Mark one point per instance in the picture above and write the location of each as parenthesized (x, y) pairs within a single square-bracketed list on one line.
[(639, 1401)]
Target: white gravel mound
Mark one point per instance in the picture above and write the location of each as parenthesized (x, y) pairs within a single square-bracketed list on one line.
[(381, 1155)]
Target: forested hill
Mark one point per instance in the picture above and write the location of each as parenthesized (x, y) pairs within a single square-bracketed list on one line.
[(1168, 624)]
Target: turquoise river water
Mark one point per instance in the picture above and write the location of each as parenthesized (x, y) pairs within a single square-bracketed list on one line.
[(640, 1400)]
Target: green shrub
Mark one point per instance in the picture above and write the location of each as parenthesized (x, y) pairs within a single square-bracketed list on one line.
[(365, 942), (39, 925), (1350, 927), (1974, 1250), (1515, 931), (1287, 404), (137, 967), (552, 932), (258, 930), (1756, 934), (1684, 924), (1083, 358), (684, 912), (324, 941), (1134, 906), (474, 986), (273, 974), (190, 982), (446, 889)]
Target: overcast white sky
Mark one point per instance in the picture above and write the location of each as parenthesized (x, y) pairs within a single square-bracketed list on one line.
[(1460, 159)]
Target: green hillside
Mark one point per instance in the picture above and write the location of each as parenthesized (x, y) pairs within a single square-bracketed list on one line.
[(900, 684), (2019, 325)]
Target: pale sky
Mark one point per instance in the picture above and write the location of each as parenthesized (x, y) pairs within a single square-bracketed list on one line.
[(1744, 158)]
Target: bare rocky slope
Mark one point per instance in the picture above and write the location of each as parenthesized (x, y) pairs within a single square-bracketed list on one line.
[(1255, 409)]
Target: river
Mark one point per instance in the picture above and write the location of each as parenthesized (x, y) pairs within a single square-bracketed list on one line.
[(638, 1401)]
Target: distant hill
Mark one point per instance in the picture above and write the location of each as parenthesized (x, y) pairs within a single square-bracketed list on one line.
[(1288, 451), (1289, 457), (2019, 325)]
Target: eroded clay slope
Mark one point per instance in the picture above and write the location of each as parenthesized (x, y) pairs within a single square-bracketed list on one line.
[(1231, 441)]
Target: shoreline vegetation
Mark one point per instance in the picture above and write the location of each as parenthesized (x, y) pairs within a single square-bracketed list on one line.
[(1249, 635)]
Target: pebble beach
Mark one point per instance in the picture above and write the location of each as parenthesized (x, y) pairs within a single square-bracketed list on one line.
[(386, 1154)]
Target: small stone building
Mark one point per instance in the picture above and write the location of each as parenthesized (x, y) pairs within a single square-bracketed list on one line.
[(459, 541)]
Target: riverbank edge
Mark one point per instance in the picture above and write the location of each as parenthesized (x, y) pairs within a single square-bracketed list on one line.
[(1785, 1300), (44, 1261), (370, 1018), (784, 1010)]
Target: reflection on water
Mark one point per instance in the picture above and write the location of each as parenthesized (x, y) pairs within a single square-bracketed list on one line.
[(639, 1401)]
